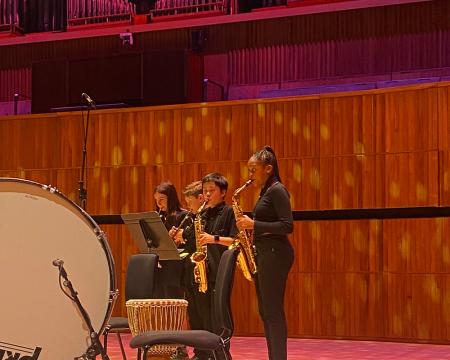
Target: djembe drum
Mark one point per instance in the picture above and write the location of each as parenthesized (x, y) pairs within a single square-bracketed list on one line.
[(157, 314)]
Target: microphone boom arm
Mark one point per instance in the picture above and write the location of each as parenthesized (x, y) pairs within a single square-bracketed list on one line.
[(96, 347)]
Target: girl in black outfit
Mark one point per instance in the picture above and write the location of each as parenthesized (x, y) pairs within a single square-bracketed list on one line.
[(272, 222), (168, 205), (168, 277)]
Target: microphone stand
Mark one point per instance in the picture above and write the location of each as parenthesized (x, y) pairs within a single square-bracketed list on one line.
[(96, 347), (83, 175)]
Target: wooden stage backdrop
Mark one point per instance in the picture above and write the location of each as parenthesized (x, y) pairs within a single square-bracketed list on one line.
[(351, 279)]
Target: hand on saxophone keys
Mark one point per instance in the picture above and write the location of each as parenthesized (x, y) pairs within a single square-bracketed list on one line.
[(206, 238), (177, 235), (245, 223)]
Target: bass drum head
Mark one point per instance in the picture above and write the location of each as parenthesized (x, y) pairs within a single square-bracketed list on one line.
[(37, 226)]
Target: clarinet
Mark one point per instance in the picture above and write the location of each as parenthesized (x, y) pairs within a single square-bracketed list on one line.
[(178, 228)]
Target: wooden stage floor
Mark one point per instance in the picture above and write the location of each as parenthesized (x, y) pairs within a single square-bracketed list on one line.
[(254, 348)]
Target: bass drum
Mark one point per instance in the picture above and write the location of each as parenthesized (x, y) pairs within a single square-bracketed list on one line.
[(38, 321)]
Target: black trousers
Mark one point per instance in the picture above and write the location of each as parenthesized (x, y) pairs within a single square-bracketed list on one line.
[(199, 305), (274, 260)]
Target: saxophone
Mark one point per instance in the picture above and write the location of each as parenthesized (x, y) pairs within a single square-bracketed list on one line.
[(199, 257), (244, 239)]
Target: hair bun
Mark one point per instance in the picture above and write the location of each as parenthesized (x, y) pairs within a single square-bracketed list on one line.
[(269, 149)]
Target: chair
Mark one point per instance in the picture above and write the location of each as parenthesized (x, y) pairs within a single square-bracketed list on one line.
[(217, 342), (138, 285)]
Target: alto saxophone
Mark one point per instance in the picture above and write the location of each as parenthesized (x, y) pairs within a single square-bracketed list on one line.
[(199, 257), (244, 239)]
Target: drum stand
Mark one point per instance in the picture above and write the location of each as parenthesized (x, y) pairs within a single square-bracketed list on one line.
[(96, 347)]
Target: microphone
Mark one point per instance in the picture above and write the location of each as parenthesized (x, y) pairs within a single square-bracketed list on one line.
[(58, 262), (88, 99)]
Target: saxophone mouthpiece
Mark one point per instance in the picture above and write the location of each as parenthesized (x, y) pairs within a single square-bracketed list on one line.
[(239, 190), (200, 209)]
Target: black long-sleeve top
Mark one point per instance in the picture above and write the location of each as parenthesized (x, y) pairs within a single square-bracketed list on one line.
[(190, 245), (272, 215), (219, 220), (169, 276), (173, 219)]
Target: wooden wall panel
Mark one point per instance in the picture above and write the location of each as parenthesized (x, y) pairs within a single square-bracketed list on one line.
[(300, 130), (9, 174), (444, 176), (302, 177), (416, 246), (346, 125), (103, 149), (384, 148), (41, 141), (415, 306), (345, 182), (408, 179), (340, 246), (339, 263), (443, 116), (407, 121)]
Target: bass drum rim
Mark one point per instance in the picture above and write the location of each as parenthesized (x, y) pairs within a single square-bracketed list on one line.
[(100, 234)]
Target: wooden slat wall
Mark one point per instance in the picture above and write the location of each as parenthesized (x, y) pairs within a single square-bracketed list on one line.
[(354, 279)]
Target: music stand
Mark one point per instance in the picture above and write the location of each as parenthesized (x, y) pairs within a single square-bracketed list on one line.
[(150, 235)]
